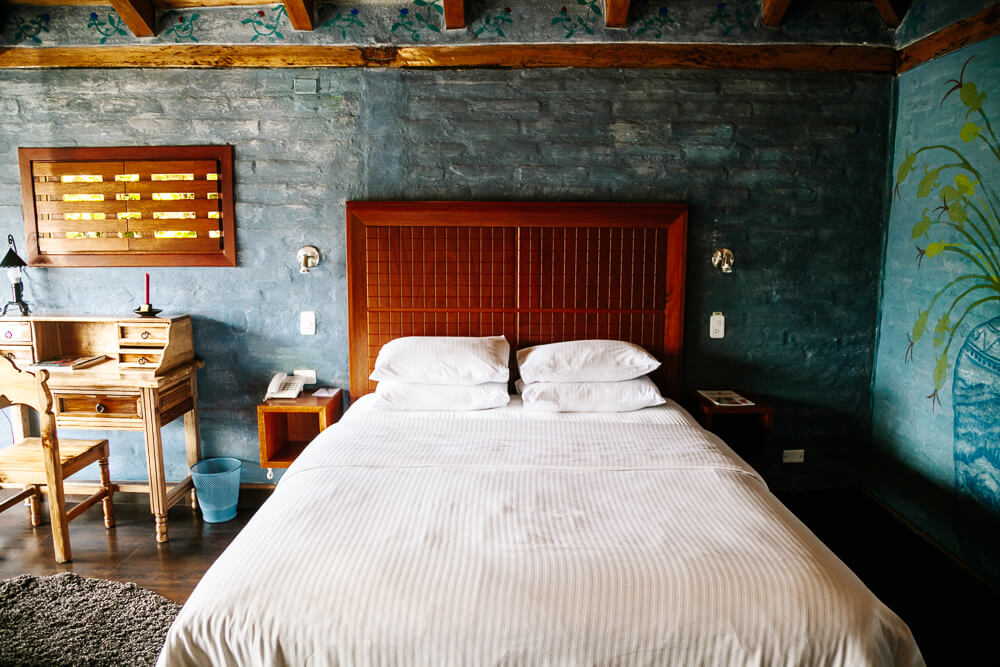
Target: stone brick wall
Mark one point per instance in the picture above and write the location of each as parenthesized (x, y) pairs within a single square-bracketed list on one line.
[(788, 170)]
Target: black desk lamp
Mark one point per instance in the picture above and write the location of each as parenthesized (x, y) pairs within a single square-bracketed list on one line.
[(14, 265)]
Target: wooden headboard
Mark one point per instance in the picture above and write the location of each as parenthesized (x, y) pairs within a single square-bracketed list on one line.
[(534, 272)]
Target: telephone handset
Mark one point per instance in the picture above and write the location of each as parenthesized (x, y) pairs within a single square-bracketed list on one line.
[(283, 386)]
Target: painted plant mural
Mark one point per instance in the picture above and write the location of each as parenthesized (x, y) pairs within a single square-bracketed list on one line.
[(959, 225)]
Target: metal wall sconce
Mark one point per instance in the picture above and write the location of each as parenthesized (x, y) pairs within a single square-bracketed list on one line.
[(308, 257), (15, 266), (723, 260)]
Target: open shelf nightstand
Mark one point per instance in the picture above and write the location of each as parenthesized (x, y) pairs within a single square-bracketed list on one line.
[(750, 440), (287, 425)]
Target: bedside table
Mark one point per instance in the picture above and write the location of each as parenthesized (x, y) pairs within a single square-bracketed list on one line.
[(287, 425), (745, 428)]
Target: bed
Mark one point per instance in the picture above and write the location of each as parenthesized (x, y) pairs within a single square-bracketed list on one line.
[(510, 537)]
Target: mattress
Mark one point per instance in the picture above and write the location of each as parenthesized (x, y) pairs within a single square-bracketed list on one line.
[(506, 537)]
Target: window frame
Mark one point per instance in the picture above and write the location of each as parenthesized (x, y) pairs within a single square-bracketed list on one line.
[(223, 154)]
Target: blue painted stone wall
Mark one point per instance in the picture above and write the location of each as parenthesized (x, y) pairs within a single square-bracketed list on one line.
[(786, 169), (918, 443)]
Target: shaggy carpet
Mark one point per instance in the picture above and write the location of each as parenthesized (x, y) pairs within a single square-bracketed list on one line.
[(68, 620)]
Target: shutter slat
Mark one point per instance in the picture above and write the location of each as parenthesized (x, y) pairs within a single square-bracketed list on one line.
[(202, 226), (63, 245), (61, 207), (63, 226), (57, 188), (200, 168), (200, 207), (201, 187), (107, 169), (175, 245)]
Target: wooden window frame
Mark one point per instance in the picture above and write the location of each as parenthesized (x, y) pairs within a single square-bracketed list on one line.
[(223, 155)]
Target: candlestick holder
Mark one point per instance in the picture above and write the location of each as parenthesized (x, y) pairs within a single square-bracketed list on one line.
[(147, 310)]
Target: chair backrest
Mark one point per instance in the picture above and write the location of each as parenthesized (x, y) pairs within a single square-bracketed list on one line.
[(24, 388)]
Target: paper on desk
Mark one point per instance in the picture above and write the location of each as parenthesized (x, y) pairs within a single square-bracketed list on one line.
[(324, 391)]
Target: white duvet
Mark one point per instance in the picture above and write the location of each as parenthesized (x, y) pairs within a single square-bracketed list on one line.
[(511, 538)]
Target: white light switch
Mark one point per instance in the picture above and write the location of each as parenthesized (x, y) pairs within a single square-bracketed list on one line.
[(717, 326), (307, 323)]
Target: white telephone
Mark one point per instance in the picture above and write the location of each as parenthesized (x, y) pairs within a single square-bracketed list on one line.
[(283, 386)]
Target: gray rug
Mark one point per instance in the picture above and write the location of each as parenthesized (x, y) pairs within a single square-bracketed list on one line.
[(68, 620)]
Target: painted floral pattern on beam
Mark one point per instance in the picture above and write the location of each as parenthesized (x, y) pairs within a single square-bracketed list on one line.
[(579, 23), (265, 26), (733, 15), (28, 31), (113, 26), (491, 24), (656, 24), (185, 28), (413, 21), (348, 24)]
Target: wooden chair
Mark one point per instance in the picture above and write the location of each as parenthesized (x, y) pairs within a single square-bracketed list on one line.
[(35, 463)]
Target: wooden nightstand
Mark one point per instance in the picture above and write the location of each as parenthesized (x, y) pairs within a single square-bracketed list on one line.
[(735, 424), (287, 425)]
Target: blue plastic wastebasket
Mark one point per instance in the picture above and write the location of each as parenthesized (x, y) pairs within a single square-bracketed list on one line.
[(217, 482)]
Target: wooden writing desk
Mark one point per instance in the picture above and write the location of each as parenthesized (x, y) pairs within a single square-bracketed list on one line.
[(148, 380)]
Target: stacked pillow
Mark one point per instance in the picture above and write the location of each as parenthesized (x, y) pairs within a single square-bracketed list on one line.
[(443, 373), (587, 376)]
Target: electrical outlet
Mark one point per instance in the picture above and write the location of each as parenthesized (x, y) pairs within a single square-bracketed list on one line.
[(307, 323), (793, 456), (717, 326), (308, 375)]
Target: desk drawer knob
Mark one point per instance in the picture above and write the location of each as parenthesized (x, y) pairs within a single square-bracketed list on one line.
[(100, 407), (142, 361), (144, 335), (8, 334)]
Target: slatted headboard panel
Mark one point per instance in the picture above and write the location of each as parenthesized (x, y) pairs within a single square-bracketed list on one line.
[(534, 272)]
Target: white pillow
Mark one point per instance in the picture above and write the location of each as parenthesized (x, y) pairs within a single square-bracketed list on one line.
[(444, 360), (623, 396), (584, 361), (405, 396)]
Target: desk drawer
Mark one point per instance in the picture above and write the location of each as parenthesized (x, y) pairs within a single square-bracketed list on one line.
[(15, 332), (131, 335), (21, 355), (147, 359), (97, 406)]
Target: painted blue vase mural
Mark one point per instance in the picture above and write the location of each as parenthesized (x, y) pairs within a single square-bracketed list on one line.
[(960, 225)]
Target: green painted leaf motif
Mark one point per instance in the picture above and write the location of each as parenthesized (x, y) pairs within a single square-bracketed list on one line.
[(921, 227), (965, 185), (971, 97), (920, 325), (941, 330), (934, 249), (941, 371), (928, 182), (957, 213), (907, 166), (950, 194), (969, 131)]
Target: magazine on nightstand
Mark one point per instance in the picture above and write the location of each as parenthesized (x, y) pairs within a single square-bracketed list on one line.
[(725, 397)]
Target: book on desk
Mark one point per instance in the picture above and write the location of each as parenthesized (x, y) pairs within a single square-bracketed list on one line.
[(67, 364)]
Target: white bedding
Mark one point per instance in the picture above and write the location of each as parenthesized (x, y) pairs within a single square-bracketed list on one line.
[(511, 538)]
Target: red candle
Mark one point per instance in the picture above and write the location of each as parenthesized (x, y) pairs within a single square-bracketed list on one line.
[(147, 287)]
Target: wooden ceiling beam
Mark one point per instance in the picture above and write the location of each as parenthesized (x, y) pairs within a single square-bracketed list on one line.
[(138, 15), (972, 30), (892, 11), (454, 14), (773, 11), (616, 13), (300, 13)]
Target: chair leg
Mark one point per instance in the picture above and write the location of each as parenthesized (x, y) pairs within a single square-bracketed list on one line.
[(108, 503), (35, 508)]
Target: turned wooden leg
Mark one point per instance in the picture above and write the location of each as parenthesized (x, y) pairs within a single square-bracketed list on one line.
[(192, 434), (35, 508), (107, 504), (194, 500), (161, 527)]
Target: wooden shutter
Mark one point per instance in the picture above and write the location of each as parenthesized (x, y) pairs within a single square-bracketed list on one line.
[(136, 206)]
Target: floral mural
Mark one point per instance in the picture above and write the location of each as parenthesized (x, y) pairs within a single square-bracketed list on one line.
[(958, 228)]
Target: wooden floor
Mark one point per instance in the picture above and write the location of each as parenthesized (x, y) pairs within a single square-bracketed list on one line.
[(127, 552), (940, 601)]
